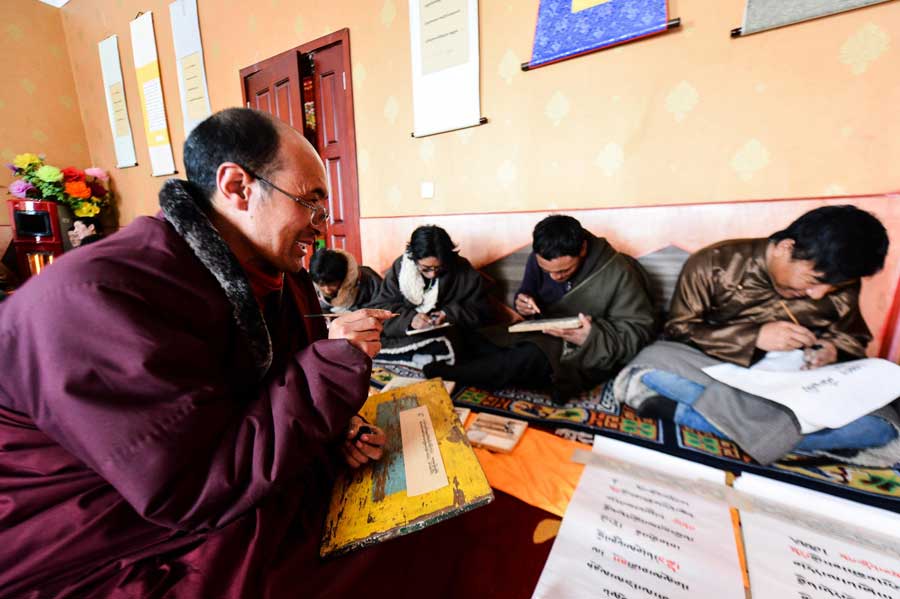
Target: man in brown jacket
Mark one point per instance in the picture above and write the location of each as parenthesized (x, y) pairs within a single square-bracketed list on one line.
[(737, 300)]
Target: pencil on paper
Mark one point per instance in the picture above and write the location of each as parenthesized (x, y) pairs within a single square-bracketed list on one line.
[(789, 313), (815, 346)]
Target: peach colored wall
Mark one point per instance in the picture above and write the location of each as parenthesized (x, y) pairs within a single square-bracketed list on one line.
[(39, 110), (689, 116)]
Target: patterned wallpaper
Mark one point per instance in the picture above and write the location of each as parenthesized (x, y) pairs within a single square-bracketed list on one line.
[(687, 116), (39, 110)]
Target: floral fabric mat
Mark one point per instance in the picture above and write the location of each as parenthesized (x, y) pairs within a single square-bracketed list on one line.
[(591, 412), (882, 485)]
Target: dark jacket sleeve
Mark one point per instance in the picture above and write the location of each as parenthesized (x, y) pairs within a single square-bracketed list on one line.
[(467, 303), (689, 317), (530, 279), (369, 283), (390, 298), (626, 325), (123, 386)]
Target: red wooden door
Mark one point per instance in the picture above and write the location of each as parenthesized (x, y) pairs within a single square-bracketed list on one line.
[(333, 132), (275, 85)]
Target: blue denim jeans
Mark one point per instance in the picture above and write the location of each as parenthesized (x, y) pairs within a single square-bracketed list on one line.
[(865, 432)]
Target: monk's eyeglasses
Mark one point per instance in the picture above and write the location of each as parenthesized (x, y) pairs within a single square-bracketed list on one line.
[(319, 214)]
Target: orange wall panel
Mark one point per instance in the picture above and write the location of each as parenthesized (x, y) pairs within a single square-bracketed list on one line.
[(688, 116), (39, 107)]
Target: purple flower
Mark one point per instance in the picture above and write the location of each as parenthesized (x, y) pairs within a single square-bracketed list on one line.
[(97, 173), (12, 167), (20, 188)]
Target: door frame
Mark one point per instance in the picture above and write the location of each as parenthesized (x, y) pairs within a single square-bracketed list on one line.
[(342, 37)]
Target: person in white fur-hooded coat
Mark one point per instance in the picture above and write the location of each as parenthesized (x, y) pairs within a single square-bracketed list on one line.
[(431, 284)]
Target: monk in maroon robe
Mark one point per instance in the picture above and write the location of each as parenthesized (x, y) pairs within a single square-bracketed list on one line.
[(167, 414)]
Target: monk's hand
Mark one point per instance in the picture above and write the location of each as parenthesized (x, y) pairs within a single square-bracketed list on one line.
[(526, 306), (781, 335), (438, 317), (420, 321), (820, 354), (362, 445), (577, 336), (361, 328)]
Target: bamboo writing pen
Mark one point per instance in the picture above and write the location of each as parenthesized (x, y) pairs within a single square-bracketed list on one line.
[(793, 318)]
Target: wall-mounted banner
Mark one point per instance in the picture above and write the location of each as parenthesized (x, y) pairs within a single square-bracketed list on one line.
[(146, 66), (189, 58), (760, 15), (567, 28), (445, 65), (113, 86)]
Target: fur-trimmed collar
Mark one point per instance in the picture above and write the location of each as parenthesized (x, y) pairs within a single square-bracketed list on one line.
[(412, 286), (345, 298), (191, 222)]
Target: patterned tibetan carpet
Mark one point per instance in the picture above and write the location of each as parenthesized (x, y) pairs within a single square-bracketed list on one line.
[(596, 413)]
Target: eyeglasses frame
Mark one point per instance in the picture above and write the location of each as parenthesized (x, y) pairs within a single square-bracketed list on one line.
[(314, 208)]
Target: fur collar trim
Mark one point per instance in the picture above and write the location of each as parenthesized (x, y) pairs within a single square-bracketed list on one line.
[(349, 289), (412, 286), (190, 221)]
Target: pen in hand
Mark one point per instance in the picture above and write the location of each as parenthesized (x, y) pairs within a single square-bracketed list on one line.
[(814, 346)]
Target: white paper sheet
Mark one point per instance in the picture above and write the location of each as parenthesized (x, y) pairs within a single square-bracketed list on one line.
[(623, 537), (146, 65), (653, 460), (422, 461), (836, 517), (787, 560), (114, 89), (192, 87), (445, 65), (827, 397)]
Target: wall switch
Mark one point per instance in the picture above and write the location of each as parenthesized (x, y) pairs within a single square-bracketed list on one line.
[(427, 190)]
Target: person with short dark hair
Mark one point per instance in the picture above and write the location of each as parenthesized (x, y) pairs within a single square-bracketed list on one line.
[(84, 231), (429, 285), (570, 273), (342, 285), (737, 300), (170, 420)]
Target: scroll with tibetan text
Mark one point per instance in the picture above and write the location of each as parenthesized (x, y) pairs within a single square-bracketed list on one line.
[(445, 66), (114, 89), (153, 106), (631, 537)]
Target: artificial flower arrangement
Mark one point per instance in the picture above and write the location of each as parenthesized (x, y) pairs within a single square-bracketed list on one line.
[(85, 192)]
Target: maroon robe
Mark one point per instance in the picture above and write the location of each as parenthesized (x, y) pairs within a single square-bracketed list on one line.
[(140, 453)]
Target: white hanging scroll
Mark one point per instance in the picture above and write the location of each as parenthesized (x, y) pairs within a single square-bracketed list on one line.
[(445, 65), (153, 106), (114, 89), (189, 58), (760, 15)]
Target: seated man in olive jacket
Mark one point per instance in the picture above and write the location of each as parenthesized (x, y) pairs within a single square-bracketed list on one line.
[(570, 273)]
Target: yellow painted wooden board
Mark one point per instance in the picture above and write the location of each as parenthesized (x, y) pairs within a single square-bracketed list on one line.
[(370, 504)]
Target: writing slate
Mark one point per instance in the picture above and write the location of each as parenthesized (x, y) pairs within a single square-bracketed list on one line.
[(372, 504)]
